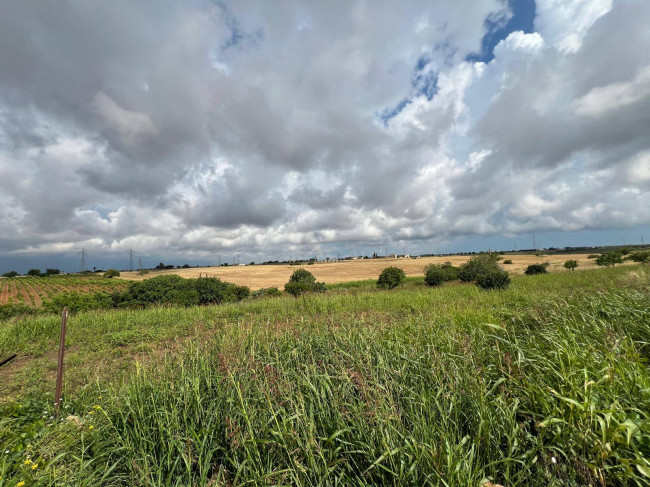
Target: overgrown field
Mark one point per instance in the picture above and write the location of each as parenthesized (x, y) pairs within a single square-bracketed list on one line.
[(546, 383)]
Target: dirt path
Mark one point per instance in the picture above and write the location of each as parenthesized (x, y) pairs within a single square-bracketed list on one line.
[(4, 294)]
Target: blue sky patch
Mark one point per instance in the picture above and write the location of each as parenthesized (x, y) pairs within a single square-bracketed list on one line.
[(523, 18)]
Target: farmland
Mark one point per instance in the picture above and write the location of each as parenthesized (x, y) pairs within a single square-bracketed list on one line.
[(33, 291), (545, 383), (261, 276)]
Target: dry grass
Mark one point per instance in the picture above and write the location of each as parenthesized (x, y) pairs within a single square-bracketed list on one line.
[(261, 276)]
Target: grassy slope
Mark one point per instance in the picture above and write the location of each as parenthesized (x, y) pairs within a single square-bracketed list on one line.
[(544, 384)]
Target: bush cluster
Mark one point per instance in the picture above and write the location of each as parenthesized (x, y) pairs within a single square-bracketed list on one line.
[(390, 278), (175, 290), (476, 266), (303, 281), (495, 279), (640, 256), (436, 274), (484, 269), (610, 259)]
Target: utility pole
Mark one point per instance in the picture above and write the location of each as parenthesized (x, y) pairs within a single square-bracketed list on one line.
[(534, 246), (139, 263), (82, 267), (131, 260)]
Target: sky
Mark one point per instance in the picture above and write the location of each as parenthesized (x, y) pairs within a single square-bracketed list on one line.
[(196, 131)]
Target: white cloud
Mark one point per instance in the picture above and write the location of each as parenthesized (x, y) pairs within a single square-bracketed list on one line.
[(565, 23)]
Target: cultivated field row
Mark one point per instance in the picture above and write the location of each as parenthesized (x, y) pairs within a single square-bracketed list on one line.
[(32, 291)]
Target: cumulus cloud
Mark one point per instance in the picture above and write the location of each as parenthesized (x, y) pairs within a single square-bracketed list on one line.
[(187, 128)]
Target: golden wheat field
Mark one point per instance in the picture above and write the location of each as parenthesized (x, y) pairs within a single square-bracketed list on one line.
[(260, 276)]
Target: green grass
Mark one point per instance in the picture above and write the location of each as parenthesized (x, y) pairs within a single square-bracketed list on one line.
[(546, 384)]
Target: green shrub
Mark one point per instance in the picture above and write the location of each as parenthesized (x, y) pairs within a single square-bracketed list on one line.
[(476, 266), (640, 256), (303, 281), (110, 273), (264, 292), (507, 261), (34, 272), (10, 274), (533, 269), (302, 276), (493, 279), (436, 274), (433, 275), (390, 278), (76, 302), (610, 259), (11, 310), (175, 290), (571, 264)]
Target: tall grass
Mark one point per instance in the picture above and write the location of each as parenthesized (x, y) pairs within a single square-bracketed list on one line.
[(545, 384)]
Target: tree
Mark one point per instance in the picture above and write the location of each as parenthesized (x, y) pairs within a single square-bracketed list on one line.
[(610, 258), (641, 256), (390, 278), (571, 264), (52, 272), (10, 274), (476, 266), (161, 266), (110, 273), (303, 281), (34, 272), (533, 269)]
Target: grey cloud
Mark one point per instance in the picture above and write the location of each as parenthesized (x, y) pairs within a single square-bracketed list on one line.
[(202, 126)]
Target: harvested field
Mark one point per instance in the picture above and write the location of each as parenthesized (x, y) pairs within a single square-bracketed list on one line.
[(261, 276)]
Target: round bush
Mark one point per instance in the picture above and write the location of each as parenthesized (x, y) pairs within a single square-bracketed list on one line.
[(111, 273), (302, 281), (301, 275), (533, 269), (571, 264), (390, 278), (478, 265), (494, 279), (434, 276)]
